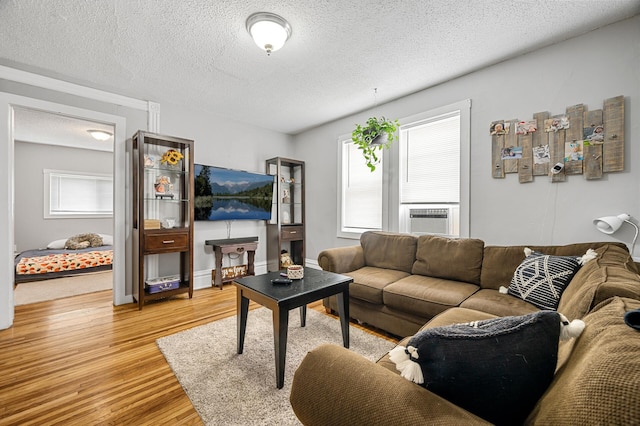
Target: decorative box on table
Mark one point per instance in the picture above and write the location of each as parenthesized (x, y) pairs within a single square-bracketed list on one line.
[(157, 285)]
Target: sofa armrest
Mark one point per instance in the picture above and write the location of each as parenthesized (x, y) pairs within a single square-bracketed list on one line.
[(341, 259), (334, 385)]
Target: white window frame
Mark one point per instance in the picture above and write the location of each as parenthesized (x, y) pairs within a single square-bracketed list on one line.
[(49, 213), (344, 231), (464, 108), (391, 206)]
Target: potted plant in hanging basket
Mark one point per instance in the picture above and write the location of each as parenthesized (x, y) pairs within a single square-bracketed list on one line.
[(375, 135)]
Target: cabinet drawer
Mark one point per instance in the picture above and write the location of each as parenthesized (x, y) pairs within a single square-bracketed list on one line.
[(174, 241), (292, 233)]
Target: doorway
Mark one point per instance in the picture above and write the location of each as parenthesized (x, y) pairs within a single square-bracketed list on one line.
[(8, 104), (75, 198)]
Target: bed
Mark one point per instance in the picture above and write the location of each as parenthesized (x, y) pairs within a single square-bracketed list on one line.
[(56, 262)]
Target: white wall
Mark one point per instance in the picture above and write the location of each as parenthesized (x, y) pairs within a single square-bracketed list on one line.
[(587, 69), (219, 141), (32, 231)]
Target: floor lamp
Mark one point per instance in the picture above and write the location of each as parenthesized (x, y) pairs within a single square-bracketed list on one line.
[(610, 224)]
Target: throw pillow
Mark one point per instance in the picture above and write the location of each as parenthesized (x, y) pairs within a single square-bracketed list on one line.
[(496, 368), (541, 278)]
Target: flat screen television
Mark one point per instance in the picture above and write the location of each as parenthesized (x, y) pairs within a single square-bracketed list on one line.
[(227, 194)]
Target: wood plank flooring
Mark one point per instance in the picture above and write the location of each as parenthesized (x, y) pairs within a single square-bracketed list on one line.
[(83, 361)]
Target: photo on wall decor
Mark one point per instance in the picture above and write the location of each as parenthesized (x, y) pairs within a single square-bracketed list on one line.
[(594, 134), (499, 128), (573, 151), (555, 124), (525, 127), (511, 153), (541, 154)]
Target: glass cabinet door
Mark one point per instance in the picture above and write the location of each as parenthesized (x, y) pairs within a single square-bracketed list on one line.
[(166, 186)]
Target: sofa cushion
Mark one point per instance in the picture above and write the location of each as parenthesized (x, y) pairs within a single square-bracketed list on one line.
[(369, 281), (449, 258), (496, 303), (500, 262), (496, 368), (541, 278), (426, 296), (599, 381), (389, 250), (610, 274)]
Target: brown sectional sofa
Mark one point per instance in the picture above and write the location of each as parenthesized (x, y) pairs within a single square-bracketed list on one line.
[(402, 281), (403, 284)]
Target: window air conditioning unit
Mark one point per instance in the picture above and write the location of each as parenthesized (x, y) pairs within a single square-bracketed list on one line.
[(438, 220)]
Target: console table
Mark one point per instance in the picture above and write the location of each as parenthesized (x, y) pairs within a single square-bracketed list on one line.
[(232, 245)]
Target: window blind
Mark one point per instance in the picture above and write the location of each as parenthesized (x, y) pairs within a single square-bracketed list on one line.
[(431, 161), (362, 191)]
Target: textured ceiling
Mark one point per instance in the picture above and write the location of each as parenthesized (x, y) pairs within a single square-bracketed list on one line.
[(197, 53), (55, 129)]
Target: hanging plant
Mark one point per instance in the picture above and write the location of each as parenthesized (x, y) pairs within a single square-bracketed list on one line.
[(375, 135)]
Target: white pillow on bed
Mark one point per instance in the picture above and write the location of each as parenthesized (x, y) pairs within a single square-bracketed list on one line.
[(57, 244), (107, 240)]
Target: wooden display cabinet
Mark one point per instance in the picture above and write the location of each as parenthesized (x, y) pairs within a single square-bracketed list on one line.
[(286, 230), (163, 192)]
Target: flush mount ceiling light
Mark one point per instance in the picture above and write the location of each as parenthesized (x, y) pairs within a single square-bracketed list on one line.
[(100, 135), (269, 31)]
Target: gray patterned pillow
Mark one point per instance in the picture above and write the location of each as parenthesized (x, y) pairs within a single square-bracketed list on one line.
[(541, 278)]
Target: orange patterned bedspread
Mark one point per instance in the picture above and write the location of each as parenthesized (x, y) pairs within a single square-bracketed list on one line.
[(62, 262)]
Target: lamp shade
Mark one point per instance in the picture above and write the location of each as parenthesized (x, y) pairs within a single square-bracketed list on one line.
[(268, 30), (610, 224)]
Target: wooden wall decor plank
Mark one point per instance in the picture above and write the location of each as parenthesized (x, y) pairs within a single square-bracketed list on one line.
[(574, 134), (511, 140), (592, 152), (540, 139), (525, 170), (497, 166), (573, 167), (556, 151), (593, 162), (613, 120)]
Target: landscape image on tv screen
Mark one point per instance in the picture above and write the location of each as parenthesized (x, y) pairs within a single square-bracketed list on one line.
[(226, 194)]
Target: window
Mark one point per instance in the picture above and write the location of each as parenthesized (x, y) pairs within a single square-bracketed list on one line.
[(430, 160), (76, 194), (361, 192), (426, 170)]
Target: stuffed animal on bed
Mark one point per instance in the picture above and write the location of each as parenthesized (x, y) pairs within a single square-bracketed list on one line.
[(81, 241)]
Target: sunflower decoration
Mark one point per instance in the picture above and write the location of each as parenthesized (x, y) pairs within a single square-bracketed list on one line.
[(171, 157)]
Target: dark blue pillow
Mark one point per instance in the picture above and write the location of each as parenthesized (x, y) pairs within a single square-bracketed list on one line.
[(496, 369)]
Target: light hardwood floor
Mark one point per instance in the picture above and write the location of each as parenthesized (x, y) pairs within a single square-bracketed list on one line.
[(83, 361)]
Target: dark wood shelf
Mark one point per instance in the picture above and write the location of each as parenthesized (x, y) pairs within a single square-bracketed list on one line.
[(173, 244), (286, 230)]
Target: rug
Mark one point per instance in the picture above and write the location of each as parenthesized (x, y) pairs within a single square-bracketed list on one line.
[(230, 389), (58, 288)]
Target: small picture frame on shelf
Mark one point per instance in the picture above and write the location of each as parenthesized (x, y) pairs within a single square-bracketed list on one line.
[(149, 161), (163, 187)]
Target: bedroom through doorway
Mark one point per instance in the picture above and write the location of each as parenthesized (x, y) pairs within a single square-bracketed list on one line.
[(63, 188)]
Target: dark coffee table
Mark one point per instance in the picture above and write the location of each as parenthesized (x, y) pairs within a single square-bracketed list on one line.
[(315, 285)]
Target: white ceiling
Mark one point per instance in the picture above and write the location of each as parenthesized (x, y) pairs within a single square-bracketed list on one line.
[(53, 129), (197, 53)]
